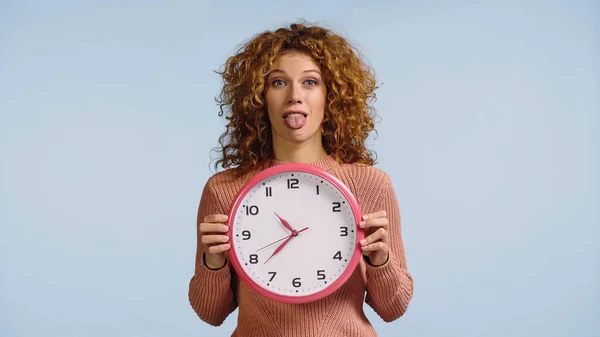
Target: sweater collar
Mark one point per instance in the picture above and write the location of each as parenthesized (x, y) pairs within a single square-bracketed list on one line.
[(327, 163)]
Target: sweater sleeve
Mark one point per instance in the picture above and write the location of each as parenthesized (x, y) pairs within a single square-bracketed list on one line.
[(390, 286), (210, 291)]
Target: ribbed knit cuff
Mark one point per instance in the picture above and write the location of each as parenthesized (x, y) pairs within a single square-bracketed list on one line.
[(205, 272), (388, 279)]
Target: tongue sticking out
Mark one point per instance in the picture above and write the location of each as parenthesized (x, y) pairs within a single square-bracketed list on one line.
[(294, 121)]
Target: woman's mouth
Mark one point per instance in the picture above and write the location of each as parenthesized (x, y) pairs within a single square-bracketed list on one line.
[(294, 119)]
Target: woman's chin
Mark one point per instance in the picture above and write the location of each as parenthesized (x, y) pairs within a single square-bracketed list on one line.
[(299, 136)]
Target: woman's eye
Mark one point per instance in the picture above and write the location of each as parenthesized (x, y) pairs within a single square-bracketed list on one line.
[(278, 83), (311, 82)]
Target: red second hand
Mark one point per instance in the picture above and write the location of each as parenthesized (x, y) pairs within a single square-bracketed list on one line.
[(291, 235)]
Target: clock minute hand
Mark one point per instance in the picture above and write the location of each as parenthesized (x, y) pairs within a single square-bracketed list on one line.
[(280, 247), (288, 239), (285, 223)]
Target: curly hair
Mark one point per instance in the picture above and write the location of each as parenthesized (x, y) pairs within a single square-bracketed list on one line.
[(348, 120)]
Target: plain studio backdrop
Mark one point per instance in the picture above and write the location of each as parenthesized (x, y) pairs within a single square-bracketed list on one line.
[(488, 127)]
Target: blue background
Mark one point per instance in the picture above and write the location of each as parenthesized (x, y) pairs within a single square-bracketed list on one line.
[(489, 129)]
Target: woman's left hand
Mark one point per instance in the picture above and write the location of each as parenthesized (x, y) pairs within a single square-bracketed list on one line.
[(375, 245)]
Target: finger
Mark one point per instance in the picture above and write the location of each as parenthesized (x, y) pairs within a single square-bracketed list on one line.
[(215, 218), (376, 246), (213, 228), (218, 248), (374, 222), (208, 240), (379, 235), (379, 214)]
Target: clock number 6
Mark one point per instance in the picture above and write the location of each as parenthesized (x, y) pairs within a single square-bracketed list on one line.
[(296, 282)]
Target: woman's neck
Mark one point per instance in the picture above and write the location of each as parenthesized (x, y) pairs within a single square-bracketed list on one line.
[(306, 152)]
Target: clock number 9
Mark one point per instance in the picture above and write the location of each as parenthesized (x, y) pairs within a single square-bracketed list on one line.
[(246, 235), (296, 282)]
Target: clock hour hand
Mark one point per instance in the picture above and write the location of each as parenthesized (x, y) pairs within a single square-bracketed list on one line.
[(285, 223)]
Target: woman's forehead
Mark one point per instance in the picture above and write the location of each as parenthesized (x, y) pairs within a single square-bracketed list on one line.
[(294, 62)]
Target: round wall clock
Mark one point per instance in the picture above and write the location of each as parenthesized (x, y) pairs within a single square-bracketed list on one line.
[(294, 233)]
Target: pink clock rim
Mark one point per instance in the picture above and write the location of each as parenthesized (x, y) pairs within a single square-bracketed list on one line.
[(354, 206)]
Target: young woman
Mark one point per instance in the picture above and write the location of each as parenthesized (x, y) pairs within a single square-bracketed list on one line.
[(300, 95)]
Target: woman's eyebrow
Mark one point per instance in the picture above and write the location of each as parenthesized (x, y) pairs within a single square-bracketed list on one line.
[(306, 71)]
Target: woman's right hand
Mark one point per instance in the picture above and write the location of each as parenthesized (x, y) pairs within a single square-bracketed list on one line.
[(214, 240)]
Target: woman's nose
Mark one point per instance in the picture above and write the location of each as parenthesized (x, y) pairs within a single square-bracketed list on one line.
[(295, 95)]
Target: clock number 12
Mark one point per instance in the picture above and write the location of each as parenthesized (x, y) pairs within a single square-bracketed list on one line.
[(292, 183)]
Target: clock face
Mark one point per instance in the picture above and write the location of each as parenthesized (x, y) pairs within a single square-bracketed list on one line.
[(294, 233)]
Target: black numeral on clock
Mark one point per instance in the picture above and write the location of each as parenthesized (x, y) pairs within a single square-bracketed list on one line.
[(338, 256), (317, 189), (272, 273), (336, 206), (253, 259), (269, 191), (246, 235), (296, 282), (320, 274), (344, 231), (292, 183), (251, 210)]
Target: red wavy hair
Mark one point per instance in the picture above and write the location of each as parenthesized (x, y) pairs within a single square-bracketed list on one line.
[(349, 118)]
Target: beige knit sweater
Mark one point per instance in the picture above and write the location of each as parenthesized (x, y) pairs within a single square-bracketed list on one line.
[(388, 289)]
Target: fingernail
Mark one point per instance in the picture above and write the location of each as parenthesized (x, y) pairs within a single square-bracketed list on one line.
[(362, 224), (225, 228), (365, 217), (225, 217), (363, 241)]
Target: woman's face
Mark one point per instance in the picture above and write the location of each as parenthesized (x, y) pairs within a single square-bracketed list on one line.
[(296, 98)]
